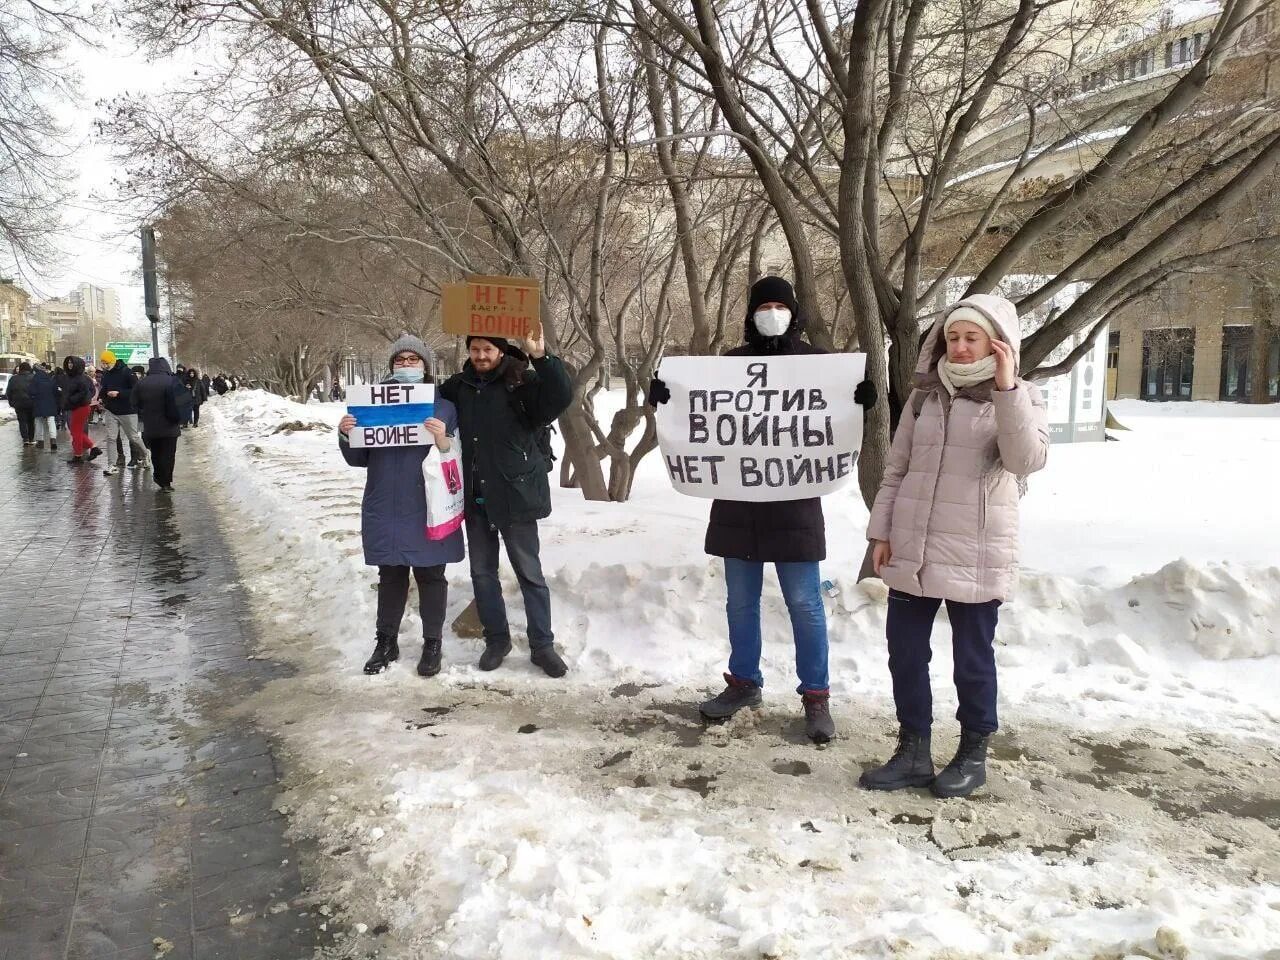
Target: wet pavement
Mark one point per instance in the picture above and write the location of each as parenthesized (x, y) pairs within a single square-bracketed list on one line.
[(136, 814)]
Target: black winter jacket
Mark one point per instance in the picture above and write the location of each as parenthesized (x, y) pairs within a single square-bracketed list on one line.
[(79, 388), (504, 472), (783, 531), (120, 379), (155, 397), (19, 391)]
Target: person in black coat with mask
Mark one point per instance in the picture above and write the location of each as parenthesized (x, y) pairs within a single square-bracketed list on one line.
[(790, 534)]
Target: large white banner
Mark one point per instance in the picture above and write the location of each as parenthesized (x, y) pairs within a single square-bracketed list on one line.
[(761, 428)]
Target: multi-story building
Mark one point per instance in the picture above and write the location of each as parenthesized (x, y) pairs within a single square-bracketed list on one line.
[(13, 315), (61, 317), (99, 305), (1205, 334), (20, 332)]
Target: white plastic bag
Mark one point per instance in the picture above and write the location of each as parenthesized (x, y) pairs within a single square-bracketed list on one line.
[(442, 474)]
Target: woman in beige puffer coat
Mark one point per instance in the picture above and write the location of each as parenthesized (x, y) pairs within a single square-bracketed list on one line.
[(944, 528)]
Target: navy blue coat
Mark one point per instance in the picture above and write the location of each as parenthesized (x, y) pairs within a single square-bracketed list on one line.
[(44, 395), (393, 517)]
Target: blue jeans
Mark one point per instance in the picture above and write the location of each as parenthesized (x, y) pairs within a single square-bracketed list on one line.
[(521, 540), (802, 590), (973, 631)]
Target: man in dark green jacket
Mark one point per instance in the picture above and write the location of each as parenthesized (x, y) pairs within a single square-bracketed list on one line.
[(502, 407)]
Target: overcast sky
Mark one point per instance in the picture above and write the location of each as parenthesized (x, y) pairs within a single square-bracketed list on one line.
[(101, 247)]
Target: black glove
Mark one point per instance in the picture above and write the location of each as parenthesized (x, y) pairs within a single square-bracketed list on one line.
[(658, 392), (865, 395)]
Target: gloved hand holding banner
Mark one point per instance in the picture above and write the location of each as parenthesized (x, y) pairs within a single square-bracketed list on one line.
[(761, 428), (391, 414)]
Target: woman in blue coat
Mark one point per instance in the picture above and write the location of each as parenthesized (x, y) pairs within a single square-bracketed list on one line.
[(393, 521), (45, 404)]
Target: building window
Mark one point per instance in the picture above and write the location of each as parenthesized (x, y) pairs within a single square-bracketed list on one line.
[(1184, 50), (1120, 70), (1237, 371), (1113, 350), (1237, 344), (1168, 363), (1197, 45), (1168, 55)]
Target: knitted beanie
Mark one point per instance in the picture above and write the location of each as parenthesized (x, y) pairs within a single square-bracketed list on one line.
[(772, 290), (971, 315), (408, 342)]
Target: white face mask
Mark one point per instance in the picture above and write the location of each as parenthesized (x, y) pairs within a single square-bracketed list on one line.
[(773, 322)]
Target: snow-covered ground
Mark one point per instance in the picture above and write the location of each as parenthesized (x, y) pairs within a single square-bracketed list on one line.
[(1133, 805)]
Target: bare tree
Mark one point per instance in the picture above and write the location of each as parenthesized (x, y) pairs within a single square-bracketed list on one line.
[(34, 146)]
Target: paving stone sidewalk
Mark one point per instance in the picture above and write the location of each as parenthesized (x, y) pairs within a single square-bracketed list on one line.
[(136, 819)]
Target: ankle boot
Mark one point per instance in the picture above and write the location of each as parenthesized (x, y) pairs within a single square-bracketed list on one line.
[(386, 650), (429, 664), (495, 651), (549, 661), (967, 770), (910, 766), (818, 725), (737, 694)]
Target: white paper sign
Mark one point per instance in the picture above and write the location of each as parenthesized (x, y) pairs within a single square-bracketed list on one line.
[(391, 414), (761, 428)]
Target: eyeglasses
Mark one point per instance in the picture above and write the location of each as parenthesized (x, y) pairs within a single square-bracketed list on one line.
[(406, 360)]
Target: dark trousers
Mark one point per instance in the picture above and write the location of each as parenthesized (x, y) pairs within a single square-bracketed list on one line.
[(521, 540), (393, 594), (195, 414), (973, 631), (26, 423), (164, 451)]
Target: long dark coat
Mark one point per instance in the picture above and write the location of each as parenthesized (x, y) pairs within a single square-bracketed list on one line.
[(783, 531), (155, 397), (393, 516), (44, 394), (498, 423)]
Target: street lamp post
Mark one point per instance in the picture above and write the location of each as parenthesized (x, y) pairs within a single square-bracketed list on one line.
[(150, 294)]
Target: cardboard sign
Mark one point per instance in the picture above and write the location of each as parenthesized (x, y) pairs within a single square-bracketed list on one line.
[(498, 306), (761, 428), (391, 414)]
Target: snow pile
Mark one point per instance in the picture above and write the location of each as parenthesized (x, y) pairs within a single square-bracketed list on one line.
[(504, 815)]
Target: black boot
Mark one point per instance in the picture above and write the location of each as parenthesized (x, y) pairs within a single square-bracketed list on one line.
[(495, 651), (818, 725), (967, 770), (429, 663), (736, 695), (94, 454), (386, 650), (550, 662), (910, 766)]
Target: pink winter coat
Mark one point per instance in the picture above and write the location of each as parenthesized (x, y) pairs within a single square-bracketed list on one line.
[(948, 504)]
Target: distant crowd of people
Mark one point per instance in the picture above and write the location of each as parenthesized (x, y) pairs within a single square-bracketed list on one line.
[(144, 409)]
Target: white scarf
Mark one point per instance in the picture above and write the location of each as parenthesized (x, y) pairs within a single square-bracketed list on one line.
[(957, 375)]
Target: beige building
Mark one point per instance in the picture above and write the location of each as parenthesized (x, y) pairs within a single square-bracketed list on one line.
[(20, 332), (1211, 334), (60, 317), (13, 315)]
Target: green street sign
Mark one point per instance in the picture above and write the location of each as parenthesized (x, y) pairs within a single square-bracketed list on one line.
[(132, 353)]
